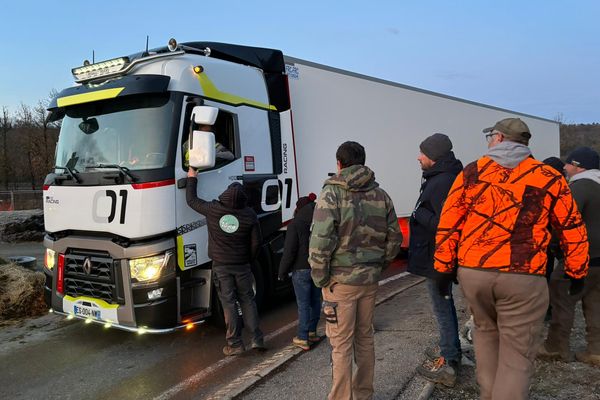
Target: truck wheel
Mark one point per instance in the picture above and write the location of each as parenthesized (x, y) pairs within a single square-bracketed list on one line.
[(217, 316)]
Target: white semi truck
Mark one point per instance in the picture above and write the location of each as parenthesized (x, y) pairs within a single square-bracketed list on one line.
[(123, 247)]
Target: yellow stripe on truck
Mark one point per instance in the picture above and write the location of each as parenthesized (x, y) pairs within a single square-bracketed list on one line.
[(180, 258), (101, 303), (89, 97), (211, 91)]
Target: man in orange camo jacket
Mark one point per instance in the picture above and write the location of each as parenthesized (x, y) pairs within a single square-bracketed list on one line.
[(493, 233)]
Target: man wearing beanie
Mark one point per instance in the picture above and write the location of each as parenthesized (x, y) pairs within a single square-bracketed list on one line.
[(584, 180), (493, 233), (440, 168), (234, 240)]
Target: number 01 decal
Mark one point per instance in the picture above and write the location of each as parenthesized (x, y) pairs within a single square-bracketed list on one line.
[(100, 202), (284, 196)]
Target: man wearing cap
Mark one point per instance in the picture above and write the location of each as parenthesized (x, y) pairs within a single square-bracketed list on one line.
[(582, 169), (494, 231), (440, 168)]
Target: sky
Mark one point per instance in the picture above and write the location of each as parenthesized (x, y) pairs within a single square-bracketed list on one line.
[(532, 56)]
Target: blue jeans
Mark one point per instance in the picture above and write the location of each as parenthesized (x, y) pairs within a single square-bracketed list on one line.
[(445, 314), (308, 298)]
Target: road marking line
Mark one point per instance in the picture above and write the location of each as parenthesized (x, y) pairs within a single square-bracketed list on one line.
[(393, 278), (200, 375)]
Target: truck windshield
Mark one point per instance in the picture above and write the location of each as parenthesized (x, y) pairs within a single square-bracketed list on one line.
[(132, 132)]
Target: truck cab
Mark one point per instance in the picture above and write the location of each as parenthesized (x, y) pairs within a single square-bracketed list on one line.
[(123, 247)]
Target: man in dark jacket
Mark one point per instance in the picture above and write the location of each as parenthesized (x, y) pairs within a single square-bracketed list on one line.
[(295, 258), (233, 242), (440, 168), (583, 170)]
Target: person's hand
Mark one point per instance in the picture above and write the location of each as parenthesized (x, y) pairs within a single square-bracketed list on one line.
[(444, 283), (192, 173), (576, 286)]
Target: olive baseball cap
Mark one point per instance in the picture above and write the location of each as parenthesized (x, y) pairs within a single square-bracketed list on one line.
[(514, 129)]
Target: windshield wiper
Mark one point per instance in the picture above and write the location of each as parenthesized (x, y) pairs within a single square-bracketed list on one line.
[(70, 171), (124, 170)]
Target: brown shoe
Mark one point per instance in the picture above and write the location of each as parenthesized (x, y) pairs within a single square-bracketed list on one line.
[(233, 351), (303, 344), (313, 337), (438, 371), (588, 358)]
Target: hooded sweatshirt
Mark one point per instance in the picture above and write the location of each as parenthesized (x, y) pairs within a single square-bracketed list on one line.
[(497, 214), (233, 232), (295, 251), (355, 230), (585, 187)]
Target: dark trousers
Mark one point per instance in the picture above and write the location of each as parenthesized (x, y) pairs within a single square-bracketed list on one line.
[(445, 314), (234, 283), (563, 311), (308, 298)]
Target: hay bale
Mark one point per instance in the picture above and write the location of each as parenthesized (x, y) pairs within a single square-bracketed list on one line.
[(21, 292)]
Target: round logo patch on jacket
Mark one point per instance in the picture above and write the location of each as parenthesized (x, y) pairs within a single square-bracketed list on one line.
[(229, 223)]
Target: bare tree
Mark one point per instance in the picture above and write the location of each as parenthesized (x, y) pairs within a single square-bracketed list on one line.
[(5, 127)]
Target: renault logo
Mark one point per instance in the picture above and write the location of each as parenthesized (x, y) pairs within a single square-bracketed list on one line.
[(87, 266)]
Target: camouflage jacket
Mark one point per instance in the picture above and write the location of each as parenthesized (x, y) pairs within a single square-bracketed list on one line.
[(355, 230)]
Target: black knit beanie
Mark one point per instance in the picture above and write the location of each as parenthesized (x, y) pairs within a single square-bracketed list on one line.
[(584, 157), (436, 146), (302, 201)]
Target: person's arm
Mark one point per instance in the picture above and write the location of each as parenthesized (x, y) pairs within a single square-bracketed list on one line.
[(568, 223), (394, 235), (449, 228), (429, 211), (290, 251), (197, 204), (324, 236)]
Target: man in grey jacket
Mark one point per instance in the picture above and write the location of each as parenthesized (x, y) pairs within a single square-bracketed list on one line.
[(582, 169)]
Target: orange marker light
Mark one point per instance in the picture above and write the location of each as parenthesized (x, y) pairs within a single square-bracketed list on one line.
[(198, 69)]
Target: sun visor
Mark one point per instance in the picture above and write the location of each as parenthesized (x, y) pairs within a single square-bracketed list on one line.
[(119, 87)]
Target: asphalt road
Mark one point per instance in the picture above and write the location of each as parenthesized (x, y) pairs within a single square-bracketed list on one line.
[(52, 358)]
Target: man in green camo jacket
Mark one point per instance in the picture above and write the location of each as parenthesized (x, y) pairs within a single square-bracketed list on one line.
[(355, 236)]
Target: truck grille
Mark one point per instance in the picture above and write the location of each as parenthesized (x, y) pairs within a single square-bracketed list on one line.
[(96, 278)]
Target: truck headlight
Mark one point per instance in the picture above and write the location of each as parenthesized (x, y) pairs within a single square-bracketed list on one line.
[(50, 259), (149, 269)]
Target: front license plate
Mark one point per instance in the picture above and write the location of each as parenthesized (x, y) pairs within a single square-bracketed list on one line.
[(87, 312)]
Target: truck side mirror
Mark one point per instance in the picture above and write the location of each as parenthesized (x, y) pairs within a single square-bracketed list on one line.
[(204, 115), (202, 150)]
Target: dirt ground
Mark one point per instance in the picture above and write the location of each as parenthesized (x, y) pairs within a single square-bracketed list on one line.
[(553, 380)]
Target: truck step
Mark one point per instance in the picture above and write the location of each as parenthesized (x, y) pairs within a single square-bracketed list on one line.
[(193, 282), (193, 314)]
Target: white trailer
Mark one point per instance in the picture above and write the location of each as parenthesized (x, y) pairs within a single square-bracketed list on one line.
[(123, 247), (330, 106)]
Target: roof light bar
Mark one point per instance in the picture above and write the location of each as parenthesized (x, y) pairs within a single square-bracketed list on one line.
[(108, 67)]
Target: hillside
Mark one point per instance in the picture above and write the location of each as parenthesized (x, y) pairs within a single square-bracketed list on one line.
[(575, 135)]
